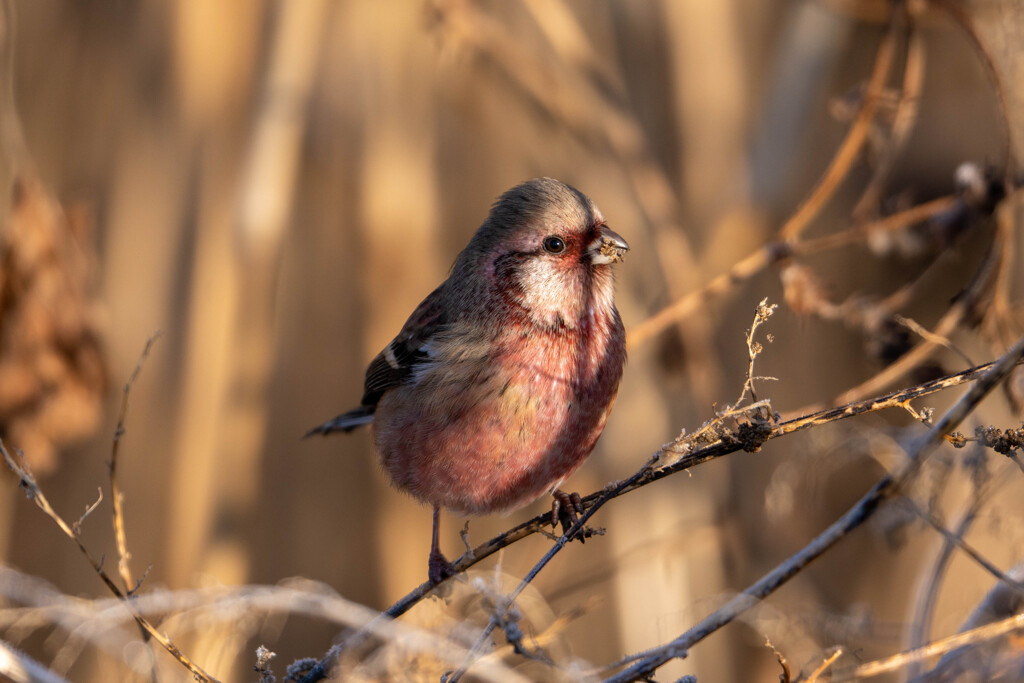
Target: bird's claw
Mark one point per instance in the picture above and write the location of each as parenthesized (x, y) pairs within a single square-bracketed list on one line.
[(439, 568), (565, 510)]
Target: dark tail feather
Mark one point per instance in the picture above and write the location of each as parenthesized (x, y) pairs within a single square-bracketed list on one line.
[(345, 422)]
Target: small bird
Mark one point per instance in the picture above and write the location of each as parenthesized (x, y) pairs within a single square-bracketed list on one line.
[(499, 384)]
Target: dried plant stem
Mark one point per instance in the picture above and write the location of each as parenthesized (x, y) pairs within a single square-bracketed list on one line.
[(20, 668), (772, 253), (920, 624), (951, 319), (852, 144), (823, 667), (28, 482), (938, 647), (903, 123), (118, 498), (644, 664), (120, 536)]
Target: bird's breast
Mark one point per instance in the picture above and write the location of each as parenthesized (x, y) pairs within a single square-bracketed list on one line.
[(481, 434)]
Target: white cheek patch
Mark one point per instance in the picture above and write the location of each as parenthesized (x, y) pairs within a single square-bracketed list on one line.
[(545, 285)]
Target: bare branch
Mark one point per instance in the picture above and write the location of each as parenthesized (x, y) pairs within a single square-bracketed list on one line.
[(977, 635), (20, 668), (115, 490), (28, 483), (77, 526), (823, 667), (852, 144), (648, 662)]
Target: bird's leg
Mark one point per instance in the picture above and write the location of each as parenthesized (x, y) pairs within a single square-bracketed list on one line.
[(565, 508), (438, 568)]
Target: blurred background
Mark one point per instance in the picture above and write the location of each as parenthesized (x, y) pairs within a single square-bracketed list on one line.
[(274, 186)]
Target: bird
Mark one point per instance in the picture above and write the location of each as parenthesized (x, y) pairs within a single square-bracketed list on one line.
[(499, 384)]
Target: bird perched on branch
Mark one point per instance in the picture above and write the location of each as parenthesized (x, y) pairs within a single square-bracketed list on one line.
[(499, 384)]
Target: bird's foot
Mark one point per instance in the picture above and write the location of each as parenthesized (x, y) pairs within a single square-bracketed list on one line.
[(439, 568), (565, 510)]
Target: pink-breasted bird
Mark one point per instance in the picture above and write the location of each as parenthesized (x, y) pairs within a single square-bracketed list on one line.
[(500, 382)]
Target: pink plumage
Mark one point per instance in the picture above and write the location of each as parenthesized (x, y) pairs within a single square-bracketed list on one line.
[(499, 384)]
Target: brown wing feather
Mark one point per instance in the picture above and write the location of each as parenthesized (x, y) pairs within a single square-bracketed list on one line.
[(395, 364), (392, 366)]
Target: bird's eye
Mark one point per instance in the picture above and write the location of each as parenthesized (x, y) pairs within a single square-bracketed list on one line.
[(554, 244)]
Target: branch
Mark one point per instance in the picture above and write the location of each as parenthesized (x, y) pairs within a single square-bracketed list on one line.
[(648, 662), (20, 668), (775, 252), (119, 534), (32, 490), (977, 635), (850, 148)]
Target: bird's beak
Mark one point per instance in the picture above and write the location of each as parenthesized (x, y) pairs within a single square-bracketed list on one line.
[(609, 247)]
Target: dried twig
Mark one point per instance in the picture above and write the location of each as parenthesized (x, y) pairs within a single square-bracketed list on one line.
[(928, 593), (773, 253), (119, 533), (977, 635), (903, 122), (850, 148), (120, 536), (761, 315), (20, 668), (786, 676), (641, 666), (28, 483), (823, 667)]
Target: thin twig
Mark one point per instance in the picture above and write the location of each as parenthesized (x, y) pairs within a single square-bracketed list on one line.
[(645, 663), (903, 122), (773, 253), (823, 667), (120, 535), (951, 319), (33, 491), (119, 530), (977, 635), (20, 668), (920, 624), (852, 144), (924, 333), (761, 315)]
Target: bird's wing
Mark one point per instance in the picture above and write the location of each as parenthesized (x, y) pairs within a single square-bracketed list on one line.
[(395, 364)]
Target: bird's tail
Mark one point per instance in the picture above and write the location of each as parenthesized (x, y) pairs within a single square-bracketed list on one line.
[(345, 422)]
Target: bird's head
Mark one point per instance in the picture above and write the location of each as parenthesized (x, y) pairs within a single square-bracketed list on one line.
[(546, 248)]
